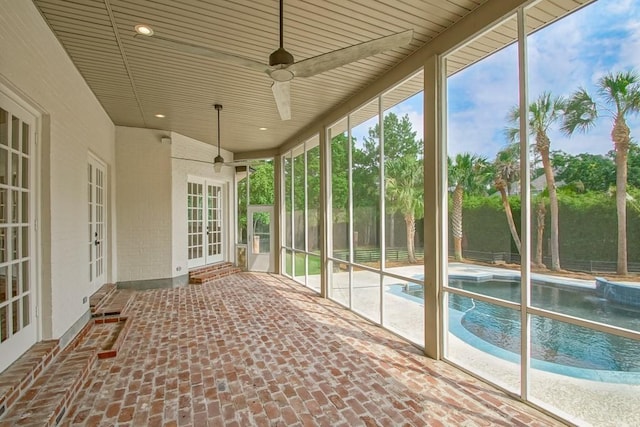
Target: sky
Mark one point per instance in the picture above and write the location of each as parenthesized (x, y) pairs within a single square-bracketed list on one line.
[(571, 53)]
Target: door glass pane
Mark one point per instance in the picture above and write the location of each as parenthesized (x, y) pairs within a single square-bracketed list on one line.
[(26, 311), (261, 232), (3, 206), (14, 206), (25, 276), (15, 169), (4, 127), (4, 165), (25, 172), (3, 244), (15, 132), (24, 244), (14, 243), (15, 273), (4, 285), (25, 206), (25, 138), (15, 316), (4, 320)]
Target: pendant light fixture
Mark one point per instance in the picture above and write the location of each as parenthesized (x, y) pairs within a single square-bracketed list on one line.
[(218, 161)]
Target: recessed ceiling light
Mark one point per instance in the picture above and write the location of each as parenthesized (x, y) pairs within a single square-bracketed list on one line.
[(160, 116), (262, 128), (145, 30)]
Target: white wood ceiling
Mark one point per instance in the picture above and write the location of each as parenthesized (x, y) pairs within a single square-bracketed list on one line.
[(135, 80)]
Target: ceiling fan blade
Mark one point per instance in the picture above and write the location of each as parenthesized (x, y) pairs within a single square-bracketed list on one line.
[(187, 47), (328, 61), (282, 95)]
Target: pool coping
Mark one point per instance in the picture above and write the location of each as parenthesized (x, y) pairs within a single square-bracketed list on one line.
[(456, 327)]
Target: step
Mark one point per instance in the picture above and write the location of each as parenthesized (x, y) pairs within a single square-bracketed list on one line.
[(108, 333), (209, 268), (101, 296), (211, 276), (46, 401), (23, 372), (116, 303)]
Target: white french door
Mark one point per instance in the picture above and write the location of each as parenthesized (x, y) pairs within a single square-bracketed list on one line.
[(18, 290), (97, 193), (205, 227)]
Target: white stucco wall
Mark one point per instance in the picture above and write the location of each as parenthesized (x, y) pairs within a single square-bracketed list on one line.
[(199, 164), (36, 67), (144, 204)]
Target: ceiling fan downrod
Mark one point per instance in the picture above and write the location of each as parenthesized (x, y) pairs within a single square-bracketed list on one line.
[(280, 57)]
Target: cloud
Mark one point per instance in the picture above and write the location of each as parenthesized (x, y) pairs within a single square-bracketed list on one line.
[(570, 53)]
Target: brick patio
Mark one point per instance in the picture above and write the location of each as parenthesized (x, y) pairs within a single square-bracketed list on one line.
[(256, 349)]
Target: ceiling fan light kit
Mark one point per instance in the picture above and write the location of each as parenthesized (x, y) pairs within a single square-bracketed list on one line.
[(282, 68)]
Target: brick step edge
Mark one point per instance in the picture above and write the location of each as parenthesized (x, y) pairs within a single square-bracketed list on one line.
[(114, 312), (12, 390), (209, 268), (122, 335), (26, 408), (97, 300), (203, 280)]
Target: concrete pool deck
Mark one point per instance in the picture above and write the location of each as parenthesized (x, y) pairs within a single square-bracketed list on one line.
[(582, 401)]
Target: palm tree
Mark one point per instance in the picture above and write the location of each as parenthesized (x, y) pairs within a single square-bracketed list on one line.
[(619, 96), (507, 171), (405, 191), (467, 172), (543, 113)]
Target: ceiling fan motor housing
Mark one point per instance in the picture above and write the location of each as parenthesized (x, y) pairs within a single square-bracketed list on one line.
[(280, 57)]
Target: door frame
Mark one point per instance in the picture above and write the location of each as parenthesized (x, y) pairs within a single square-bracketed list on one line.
[(250, 255), (207, 259), (93, 159), (16, 105)]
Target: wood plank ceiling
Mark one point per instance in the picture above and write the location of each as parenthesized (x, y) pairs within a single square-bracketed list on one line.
[(135, 80)]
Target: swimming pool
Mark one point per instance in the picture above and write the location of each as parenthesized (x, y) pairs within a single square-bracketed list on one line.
[(555, 346)]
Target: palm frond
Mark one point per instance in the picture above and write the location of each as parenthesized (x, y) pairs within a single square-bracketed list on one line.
[(580, 113)]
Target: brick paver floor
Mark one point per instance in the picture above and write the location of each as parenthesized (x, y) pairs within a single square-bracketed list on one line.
[(257, 349)]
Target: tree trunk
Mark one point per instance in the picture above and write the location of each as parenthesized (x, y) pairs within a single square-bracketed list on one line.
[(501, 186), (392, 234), (542, 142), (620, 137), (411, 232), (540, 214), (456, 222)]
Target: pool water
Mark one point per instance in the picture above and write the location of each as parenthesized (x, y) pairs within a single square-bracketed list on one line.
[(551, 341)]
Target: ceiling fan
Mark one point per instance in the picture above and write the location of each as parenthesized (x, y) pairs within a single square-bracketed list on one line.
[(282, 68)]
